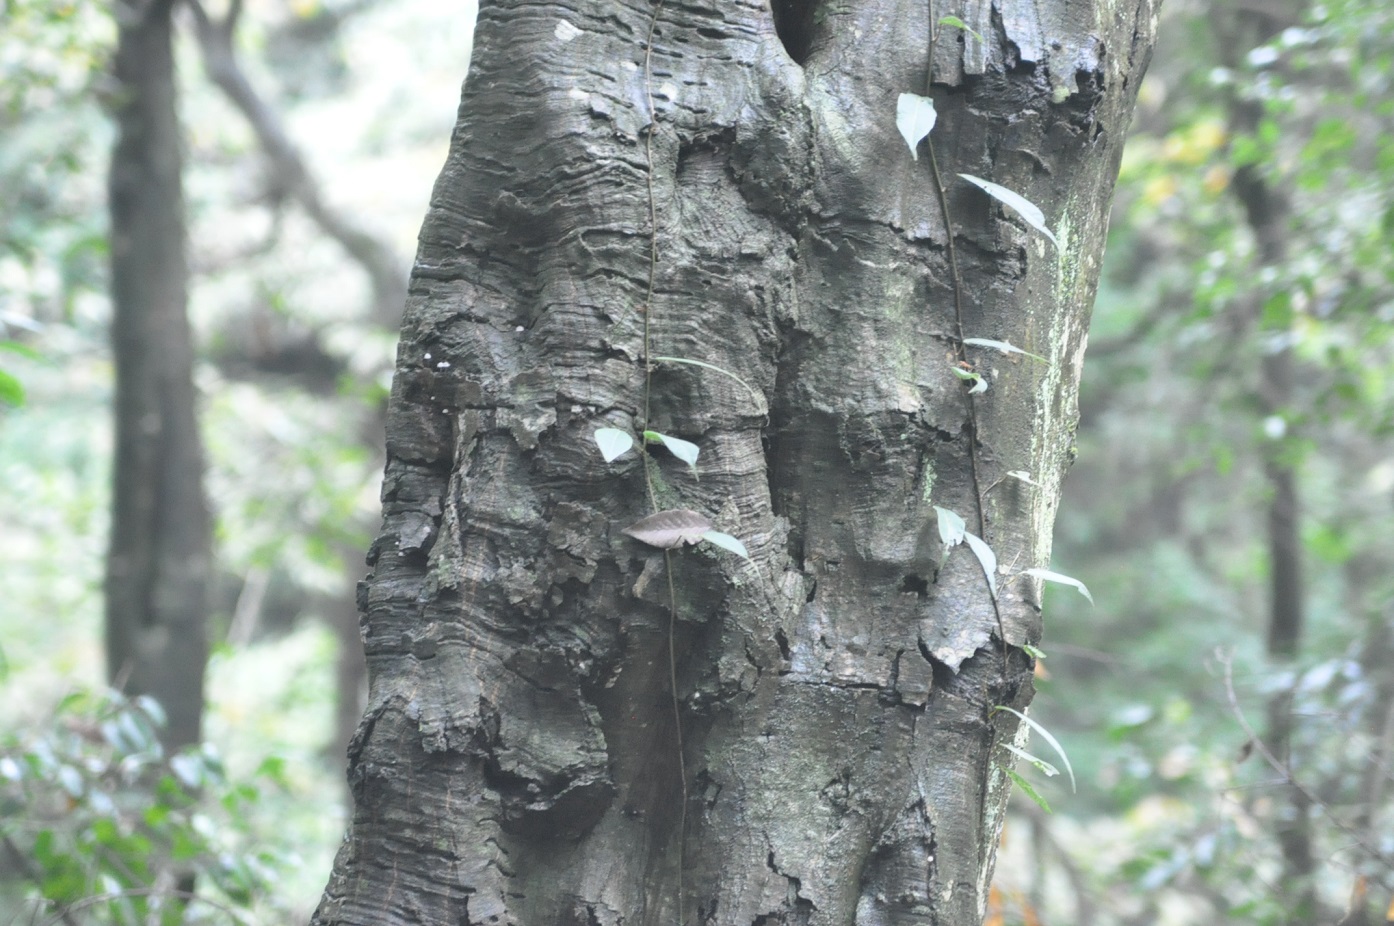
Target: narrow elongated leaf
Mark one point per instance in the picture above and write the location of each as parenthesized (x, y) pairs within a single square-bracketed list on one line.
[(979, 386), (1045, 735), (1004, 347), (613, 443), (1029, 791), (711, 366), (1044, 767), (1049, 576), (683, 450), (669, 529), (915, 117), (986, 558), (951, 526), (726, 542), (1020, 204)]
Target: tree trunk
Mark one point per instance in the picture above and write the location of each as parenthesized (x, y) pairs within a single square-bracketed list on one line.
[(158, 562), (835, 756)]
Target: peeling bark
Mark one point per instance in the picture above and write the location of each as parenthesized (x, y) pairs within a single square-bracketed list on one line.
[(518, 759)]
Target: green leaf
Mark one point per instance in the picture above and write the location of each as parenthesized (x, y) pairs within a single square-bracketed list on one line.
[(1044, 767), (683, 450), (759, 399), (915, 117), (1045, 735), (956, 23), (1049, 576), (951, 526), (1004, 347), (979, 384), (726, 542), (613, 443), (11, 391), (986, 558), (1023, 206), (1029, 791)]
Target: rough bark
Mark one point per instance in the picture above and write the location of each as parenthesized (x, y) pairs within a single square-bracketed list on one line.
[(158, 562), (518, 761)]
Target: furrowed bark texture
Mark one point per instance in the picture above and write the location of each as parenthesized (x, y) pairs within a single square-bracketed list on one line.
[(158, 561), (518, 759)]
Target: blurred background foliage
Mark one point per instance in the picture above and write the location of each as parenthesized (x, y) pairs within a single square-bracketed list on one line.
[(1208, 756)]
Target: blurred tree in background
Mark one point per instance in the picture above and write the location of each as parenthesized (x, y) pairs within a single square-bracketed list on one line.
[(1235, 461)]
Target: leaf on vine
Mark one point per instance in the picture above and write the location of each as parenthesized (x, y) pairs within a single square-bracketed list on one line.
[(956, 23), (613, 443), (1049, 576), (1003, 346), (915, 117), (1045, 735), (669, 529), (979, 384), (986, 558), (1029, 791), (1020, 204), (951, 526), (683, 450), (726, 542), (1042, 766), (758, 397), (1023, 476)]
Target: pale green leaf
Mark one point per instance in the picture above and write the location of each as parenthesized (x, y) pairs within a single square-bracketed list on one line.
[(979, 386), (1023, 476), (683, 450), (956, 23), (11, 390), (726, 542), (1049, 576), (1045, 735), (1023, 206), (1042, 766), (1029, 791), (1003, 346), (986, 558), (711, 366), (1032, 651), (915, 117), (613, 443), (951, 526)]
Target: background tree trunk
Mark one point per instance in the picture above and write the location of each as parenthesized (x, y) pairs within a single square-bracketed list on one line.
[(840, 758), (159, 559)]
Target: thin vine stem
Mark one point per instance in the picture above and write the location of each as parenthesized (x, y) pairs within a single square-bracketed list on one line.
[(959, 351), (647, 458)]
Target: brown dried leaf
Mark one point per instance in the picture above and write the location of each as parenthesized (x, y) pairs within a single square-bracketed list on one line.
[(669, 529)]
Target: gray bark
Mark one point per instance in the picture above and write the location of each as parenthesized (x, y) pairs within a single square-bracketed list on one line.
[(158, 562), (841, 760)]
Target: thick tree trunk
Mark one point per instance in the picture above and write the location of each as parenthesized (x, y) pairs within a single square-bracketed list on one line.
[(840, 758), (158, 562)]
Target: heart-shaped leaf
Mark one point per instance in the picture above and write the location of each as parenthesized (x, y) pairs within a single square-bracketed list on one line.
[(915, 117), (669, 529), (613, 443)]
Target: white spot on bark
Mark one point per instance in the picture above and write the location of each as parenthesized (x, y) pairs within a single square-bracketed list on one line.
[(565, 32)]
